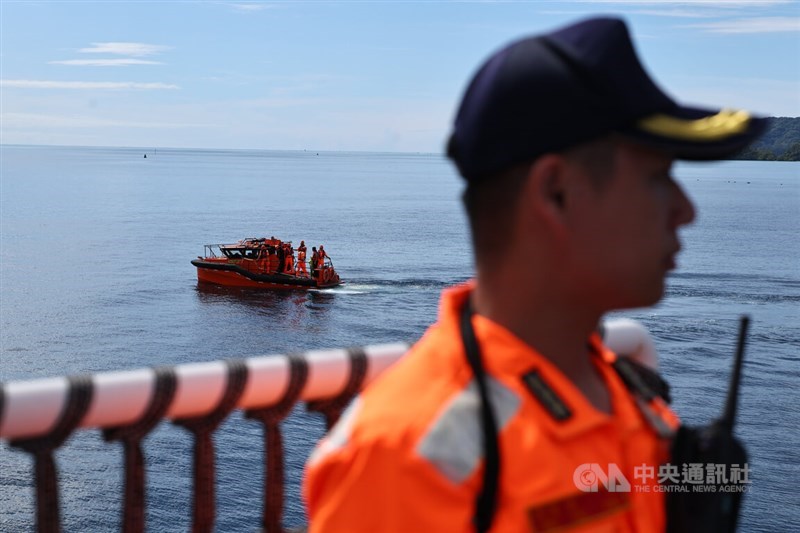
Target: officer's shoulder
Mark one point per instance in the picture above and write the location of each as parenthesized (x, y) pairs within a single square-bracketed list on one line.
[(408, 395), (430, 371)]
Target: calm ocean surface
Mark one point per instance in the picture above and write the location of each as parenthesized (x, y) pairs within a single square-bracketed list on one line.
[(95, 276)]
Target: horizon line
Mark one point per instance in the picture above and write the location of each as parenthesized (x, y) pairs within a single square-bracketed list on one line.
[(309, 150)]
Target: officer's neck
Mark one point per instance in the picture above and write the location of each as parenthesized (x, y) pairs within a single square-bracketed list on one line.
[(554, 328)]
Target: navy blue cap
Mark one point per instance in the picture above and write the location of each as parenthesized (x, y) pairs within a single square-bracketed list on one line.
[(549, 92)]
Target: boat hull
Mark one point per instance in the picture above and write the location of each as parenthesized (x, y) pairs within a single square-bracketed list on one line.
[(229, 275)]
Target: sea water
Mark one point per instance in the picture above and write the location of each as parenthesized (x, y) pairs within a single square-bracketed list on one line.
[(95, 276)]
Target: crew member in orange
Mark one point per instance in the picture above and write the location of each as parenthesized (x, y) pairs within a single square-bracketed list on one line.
[(301, 259), (281, 251), (263, 259), (321, 255), (288, 253), (314, 261), (566, 146), (273, 260)]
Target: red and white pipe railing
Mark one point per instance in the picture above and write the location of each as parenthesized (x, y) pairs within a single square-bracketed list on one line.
[(37, 416), (32, 408)]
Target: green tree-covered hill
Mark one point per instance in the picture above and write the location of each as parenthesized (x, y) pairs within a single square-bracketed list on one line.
[(781, 142)]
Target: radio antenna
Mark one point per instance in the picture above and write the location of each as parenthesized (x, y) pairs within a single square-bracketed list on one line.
[(729, 415)]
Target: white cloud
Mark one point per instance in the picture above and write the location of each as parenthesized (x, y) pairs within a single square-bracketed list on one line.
[(105, 62), (40, 84), (249, 8), (752, 25), (125, 49)]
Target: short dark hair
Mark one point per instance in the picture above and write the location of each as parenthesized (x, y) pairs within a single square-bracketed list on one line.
[(596, 157), (492, 203), (491, 206)]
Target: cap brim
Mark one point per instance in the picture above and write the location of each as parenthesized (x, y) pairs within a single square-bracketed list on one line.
[(697, 134)]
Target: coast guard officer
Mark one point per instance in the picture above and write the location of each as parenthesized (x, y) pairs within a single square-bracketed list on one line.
[(495, 417)]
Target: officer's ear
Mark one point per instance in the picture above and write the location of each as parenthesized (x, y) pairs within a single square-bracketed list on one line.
[(547, 187)]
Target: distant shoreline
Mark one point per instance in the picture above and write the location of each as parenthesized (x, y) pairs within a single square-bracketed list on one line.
[(781, 142)]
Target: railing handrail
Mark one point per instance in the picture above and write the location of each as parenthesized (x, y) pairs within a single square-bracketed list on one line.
[(32, 408)]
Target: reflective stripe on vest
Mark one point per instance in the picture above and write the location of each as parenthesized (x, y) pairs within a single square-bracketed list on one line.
[(453, 444)]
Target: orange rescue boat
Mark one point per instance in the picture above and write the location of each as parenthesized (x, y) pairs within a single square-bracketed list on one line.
[(265, 264)]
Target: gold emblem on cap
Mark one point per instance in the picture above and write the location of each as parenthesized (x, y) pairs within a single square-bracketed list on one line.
[(714, 128)]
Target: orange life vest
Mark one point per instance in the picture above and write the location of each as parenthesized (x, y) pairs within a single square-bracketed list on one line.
[(408, 454)]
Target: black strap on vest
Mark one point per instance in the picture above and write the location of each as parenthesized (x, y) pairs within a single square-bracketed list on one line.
[(486, 502), (641, 380)]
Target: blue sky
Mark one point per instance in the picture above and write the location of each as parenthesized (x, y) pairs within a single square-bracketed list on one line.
[(335, 75)]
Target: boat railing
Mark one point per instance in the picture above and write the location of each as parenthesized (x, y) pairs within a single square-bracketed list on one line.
[(38, 416), (210, 250)]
